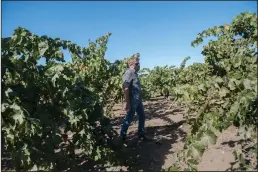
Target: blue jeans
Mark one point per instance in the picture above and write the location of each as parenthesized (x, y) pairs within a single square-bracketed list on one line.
[(135, 107)]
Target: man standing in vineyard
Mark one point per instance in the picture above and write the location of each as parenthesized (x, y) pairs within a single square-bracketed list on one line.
[(133, 97)]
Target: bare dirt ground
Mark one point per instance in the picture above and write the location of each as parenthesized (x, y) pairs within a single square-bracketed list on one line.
[(168, 130)]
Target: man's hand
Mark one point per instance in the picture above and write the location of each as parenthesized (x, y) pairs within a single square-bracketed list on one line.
[(127, 99), (127, 106)]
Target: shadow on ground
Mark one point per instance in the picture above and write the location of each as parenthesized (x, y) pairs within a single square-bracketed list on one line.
[(151, 155), (144, 155)]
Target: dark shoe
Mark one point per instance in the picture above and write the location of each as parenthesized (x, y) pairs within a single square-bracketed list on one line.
[(123, 141), (143, 137), (119, 142), (123, 138)]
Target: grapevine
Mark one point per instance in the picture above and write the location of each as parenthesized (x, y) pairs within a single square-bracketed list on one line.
[(41, 103)]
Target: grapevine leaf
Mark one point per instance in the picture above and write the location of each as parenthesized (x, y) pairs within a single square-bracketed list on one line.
[(241, 158), (88, 136), (247, 84), (43, 47), (192, 161), (26, 152), (194, 152), (59, 54), (219, 79), (237, 75), (234, 108), (173, 169), (8, 91), (223, 92), (10, 136), (202, 87), (231, 85), (208, 138), (54, 79), (237, 82), (235, 155), (18, 117), (82, 132), (96, 157)]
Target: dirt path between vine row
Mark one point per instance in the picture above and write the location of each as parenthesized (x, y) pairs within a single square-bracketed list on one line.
[(169, 130)]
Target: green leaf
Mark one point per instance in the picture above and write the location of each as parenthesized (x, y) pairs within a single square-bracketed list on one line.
[(9, 90), (208, 138), (223, 92), (18, 113), (194, 152), (235, 154), (201, 87), (250, 95), (219, 79), (26, 151), (54, 79), (237, 82), (241, 158), (59, 54), (96, 157), (4, 106), (10, 136), (231, 85), (88, 136), (186, 95), (234, 108), (237, 75), (18, 117), (247, 84), (43, 47), (192, 162), (82, 132), (173, 169)]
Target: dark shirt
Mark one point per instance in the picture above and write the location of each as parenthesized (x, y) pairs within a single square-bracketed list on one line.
[(131, 78)]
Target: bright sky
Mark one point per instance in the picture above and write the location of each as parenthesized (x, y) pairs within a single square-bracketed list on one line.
[(160, 31)]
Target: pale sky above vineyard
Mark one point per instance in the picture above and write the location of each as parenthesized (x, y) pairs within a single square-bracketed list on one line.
[(160, 31)]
